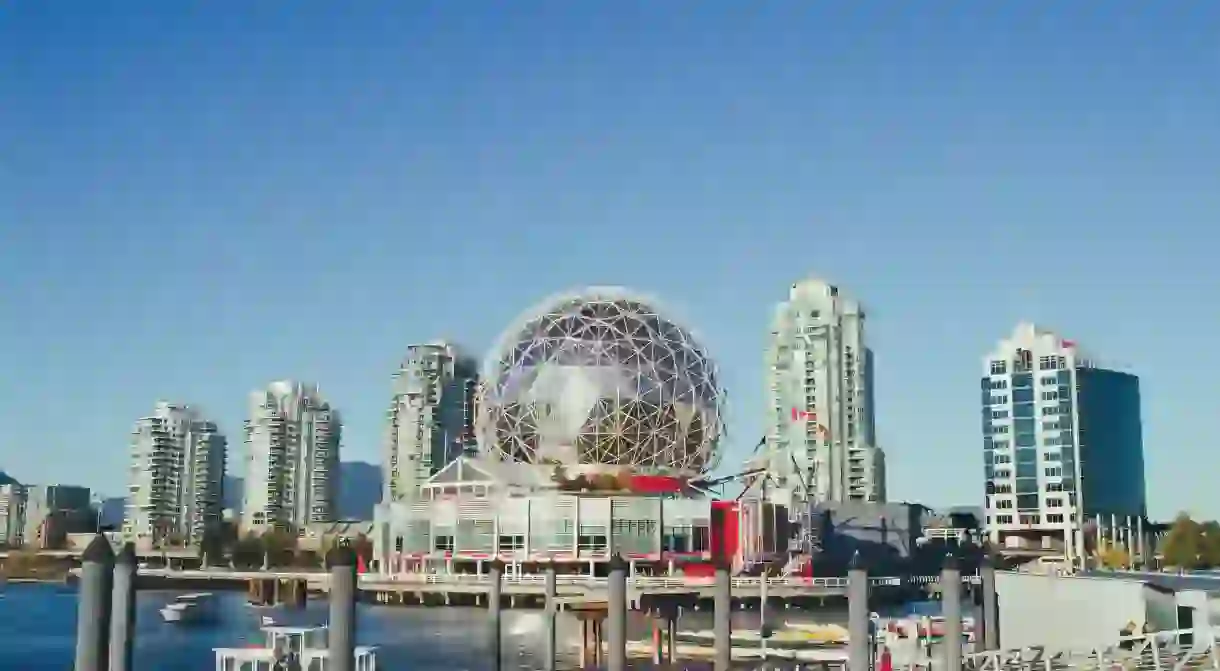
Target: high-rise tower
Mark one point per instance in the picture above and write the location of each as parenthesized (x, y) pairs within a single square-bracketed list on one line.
[(431, 416), (292, 458), (177, 477), (820, 443), (1063, 447)]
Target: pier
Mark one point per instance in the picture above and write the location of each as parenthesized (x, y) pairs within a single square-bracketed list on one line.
[(1046, 622), (272, 586)]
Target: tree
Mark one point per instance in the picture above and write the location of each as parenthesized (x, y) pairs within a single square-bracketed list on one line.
[(1209, 543), (1183, 545), (279, 546), (248, 551), (1114, 558)]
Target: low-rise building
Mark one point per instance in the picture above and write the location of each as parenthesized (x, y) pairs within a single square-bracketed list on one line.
[(54, 511)]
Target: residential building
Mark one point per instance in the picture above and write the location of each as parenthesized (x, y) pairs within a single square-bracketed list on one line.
[(431, 416), (293, 438), (54, 511), (12, 511), (821, 428), (176, 484), (1062, 446)]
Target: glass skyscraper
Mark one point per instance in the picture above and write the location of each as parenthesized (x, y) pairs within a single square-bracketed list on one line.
[(1062, 445)]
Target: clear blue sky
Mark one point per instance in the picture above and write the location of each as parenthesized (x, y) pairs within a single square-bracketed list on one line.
[(198, 198)]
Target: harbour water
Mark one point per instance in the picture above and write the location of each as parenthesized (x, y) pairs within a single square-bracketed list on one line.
[(38, 622)]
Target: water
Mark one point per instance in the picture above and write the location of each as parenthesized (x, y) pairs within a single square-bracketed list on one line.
[(38, 623)]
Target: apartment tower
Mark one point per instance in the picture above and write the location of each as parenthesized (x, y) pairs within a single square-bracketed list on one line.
[(1063, 448), (431, 416), (292, 459), (820, 442), (176, 481)]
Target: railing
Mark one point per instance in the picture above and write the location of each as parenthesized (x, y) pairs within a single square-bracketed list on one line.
[(1179, 650), (836, 583)]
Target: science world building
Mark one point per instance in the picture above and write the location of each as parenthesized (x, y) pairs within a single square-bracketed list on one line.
[(598, 421)]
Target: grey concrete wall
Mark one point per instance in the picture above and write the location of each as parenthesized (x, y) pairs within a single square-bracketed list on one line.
[(1066, 613)]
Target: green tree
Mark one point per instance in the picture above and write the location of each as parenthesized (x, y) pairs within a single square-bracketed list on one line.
[(248, 551), (279, 545), (1183, 545), (1114, 558), (1209, 543)]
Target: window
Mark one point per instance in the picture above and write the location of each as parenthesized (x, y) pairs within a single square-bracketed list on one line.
[(998, 384), (1050, 395), (1048, 363), (1051, 456), (1054, 503), (999, 414), (1054, 486), (1054, 472), (1002, 459), (1048, 380), (1003, 519), (1003, 474), (1029, 519), (999, 444), (444, 544), (1004, 504), (1054, 518), (999, 367), (1000, 428), (508, 543)]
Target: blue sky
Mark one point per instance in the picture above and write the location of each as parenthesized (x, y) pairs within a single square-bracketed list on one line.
[(198, 198)]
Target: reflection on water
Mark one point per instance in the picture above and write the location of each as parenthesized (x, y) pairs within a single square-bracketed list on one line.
[(37, 624)]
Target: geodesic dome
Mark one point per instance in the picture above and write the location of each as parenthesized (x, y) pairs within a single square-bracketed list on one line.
[(599, 378)]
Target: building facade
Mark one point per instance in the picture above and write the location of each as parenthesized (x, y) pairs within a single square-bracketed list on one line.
[(293, 438), (176, 486), (12, 512), (820, 442), (54, 511), (431, 417), (1062, 446)]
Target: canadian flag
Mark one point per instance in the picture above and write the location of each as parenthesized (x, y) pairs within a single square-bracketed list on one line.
[(1069, 343), (808, 416)]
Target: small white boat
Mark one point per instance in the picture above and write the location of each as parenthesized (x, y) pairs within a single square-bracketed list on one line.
[(190, 609)]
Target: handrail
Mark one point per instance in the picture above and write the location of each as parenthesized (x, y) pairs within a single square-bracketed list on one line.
[(538, 579)]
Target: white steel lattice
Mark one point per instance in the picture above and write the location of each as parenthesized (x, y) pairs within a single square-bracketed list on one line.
[(599, 378)]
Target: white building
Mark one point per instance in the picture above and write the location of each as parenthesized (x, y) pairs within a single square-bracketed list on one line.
[(1062, 446), (177, 477), (431, 417), (12, 512), (292, 458), (820, 442)]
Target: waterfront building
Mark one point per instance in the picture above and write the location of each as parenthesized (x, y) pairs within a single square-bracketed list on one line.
[(1062, 446), (54, 511), (431, 416), (293, 438), (12, 511), (598, 419), (176, 485), (821, 427)]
